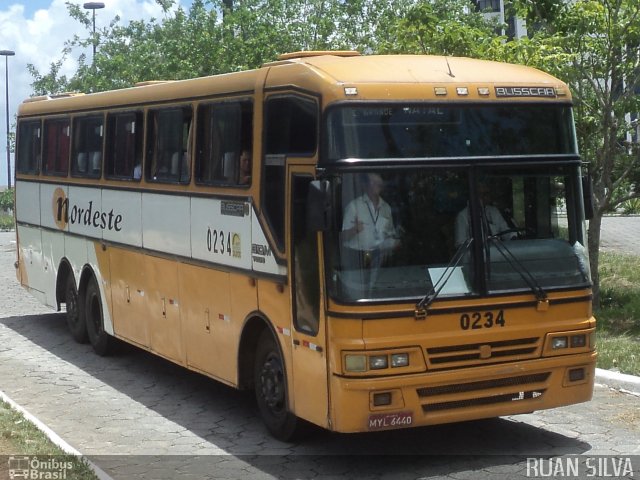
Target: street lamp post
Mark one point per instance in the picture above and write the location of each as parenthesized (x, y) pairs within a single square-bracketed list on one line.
[(94, 6), (7, 54)]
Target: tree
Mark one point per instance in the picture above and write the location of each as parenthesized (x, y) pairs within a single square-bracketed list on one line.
[(443, 27), (594, 45), (219, 36)]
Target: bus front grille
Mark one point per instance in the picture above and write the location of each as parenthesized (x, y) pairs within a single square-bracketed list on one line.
[(457, 356), (482, 401), (483, 385), (484, 392)]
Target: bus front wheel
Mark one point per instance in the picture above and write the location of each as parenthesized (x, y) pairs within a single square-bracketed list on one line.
[(76, 324), (99, 339), (271, 390)]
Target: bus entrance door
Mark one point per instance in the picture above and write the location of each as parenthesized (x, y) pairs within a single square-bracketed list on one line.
[(309, 341)]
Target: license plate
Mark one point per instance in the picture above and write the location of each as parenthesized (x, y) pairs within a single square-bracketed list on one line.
[(379, 421)]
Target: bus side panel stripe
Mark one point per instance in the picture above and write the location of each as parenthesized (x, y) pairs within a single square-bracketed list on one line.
[(122, 217), (221, 231), (165, 223), (28, 194), (85, 211)]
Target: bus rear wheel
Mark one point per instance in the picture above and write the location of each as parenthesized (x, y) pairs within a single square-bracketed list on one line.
[(75, 322), (99, 339), (271, 390)]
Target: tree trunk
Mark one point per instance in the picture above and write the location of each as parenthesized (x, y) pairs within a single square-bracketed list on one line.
[(594, 254)]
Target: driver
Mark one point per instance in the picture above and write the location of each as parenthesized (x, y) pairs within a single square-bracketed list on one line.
[(495, 221), (368, 222)]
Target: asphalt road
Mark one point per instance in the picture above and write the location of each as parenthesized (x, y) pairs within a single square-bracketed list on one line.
[(138, 416)]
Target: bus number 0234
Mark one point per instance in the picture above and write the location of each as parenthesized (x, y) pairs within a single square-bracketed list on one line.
[(219, 242), (478, 320)]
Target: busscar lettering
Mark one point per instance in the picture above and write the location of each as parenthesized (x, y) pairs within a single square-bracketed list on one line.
[(233, 209), (526, 92), (88, 217)]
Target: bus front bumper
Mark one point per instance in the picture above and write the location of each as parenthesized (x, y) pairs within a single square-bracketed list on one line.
[(367, 404)]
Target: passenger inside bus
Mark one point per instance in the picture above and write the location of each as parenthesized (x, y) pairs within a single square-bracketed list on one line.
[(245, 167), (492, 218)]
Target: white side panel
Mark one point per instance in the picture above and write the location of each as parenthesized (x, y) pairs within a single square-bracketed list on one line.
[(53, 206), (52, 251), (31, 256), (75, 249), (221, 231), (103, 279), (262, 257), (165, 223), (127, 205), (27, 202), (86, 216)]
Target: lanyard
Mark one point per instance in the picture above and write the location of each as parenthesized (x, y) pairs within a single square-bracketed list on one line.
[(373, 219)]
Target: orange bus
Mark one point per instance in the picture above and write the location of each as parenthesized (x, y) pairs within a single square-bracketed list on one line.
[(368, 242)]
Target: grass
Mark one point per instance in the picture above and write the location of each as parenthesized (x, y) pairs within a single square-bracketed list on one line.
[(20, 438), (6, 222), (618, 337)]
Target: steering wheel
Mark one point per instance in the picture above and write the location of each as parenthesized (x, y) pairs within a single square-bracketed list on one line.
[(521, 233)]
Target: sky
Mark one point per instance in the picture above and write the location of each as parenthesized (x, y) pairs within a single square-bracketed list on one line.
[(36, 31)]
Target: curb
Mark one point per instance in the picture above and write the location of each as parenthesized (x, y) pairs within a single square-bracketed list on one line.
[(619, 381), (53, 436)]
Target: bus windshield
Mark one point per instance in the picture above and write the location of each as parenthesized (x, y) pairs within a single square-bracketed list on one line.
[(395, 232), (438, 130)]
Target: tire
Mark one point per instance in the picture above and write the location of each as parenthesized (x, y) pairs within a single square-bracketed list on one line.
[(76, 324), (100, 340), (270, 380)]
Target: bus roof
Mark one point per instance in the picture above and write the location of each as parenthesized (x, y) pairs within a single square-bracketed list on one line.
[(385, 77), (422, 69)]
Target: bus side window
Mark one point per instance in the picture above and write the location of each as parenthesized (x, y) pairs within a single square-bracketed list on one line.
[(291, 129), (123, 157), (224, 131), (29, 147), (55, 160), (305, 260), (168, 155), (88, 134)]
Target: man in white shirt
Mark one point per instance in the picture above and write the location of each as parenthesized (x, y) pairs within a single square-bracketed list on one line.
[(367, 224), (495, 221)]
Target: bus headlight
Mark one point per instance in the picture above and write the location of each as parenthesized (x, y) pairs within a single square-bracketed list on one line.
[(378, 362), (355, 363), (578, 341), (399, 360), (568, 343), (383, 362), (559, 342)]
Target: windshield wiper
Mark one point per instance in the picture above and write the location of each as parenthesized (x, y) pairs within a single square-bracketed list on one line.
[(436, 288), (521, 270)]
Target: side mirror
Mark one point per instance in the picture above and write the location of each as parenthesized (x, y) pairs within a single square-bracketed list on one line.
[(318, 206), (587, 196)]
